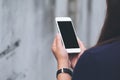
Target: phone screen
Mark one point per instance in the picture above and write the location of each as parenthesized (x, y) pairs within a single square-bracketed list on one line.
[(68, 34)]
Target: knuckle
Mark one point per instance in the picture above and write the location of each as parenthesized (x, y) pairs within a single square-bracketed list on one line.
[(53, 49)]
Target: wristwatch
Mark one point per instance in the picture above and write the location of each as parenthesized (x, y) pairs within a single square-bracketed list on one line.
[(64, 70)]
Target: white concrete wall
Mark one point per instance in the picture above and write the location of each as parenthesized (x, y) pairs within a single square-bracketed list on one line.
[(27, 30), (90, 20), (31, 23)]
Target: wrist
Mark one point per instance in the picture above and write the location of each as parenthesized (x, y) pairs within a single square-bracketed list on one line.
[(63, 64)]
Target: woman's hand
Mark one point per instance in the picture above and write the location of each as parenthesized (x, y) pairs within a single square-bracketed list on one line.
[(74, 57), (63, 59), (60, 53)]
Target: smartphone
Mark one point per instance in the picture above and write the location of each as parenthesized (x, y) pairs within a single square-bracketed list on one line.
[(67, 32)]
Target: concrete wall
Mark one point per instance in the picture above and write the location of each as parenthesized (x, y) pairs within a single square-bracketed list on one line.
[(27, 30)]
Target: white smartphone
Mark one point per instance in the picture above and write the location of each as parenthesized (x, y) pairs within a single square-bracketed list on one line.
[(67, 32)]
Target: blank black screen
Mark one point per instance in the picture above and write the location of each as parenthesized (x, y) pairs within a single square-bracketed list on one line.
[(68, 34)]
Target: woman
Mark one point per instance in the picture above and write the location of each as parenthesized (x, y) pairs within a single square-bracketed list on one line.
[(102, 62)]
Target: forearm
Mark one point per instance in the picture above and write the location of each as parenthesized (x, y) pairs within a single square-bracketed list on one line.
[(63, 76)]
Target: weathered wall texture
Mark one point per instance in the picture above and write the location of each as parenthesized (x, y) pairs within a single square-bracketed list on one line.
[(27, 30), (26, 34)]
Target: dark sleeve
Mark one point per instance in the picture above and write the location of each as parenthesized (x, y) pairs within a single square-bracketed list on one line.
[(86, 68)]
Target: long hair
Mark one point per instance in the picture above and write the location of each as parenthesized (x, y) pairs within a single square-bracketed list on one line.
[(111, 28)]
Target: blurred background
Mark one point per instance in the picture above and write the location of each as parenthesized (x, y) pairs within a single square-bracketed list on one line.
[(27, 30)]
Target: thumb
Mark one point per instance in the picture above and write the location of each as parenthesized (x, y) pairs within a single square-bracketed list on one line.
[(81, 45), (58, 41)]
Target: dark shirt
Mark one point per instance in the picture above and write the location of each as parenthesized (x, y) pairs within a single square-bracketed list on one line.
[(99, 63)]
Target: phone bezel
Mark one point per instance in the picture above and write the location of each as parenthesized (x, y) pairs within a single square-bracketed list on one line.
[(69, 50)]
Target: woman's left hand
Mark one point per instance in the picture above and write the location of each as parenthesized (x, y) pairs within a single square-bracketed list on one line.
[(60, 53), (75, 56), (63, 59)]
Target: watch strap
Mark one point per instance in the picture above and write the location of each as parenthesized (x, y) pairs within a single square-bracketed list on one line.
[(64, 70)]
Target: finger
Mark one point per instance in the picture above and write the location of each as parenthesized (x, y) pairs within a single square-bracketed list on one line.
[(81, 45), (58, 41), (54, 44)]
